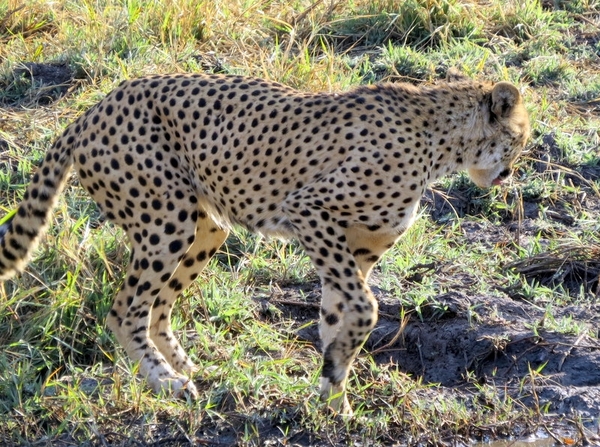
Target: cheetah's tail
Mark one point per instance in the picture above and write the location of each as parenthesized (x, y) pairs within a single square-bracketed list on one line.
[(21, 232)]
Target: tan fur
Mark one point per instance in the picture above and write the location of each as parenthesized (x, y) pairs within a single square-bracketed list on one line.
[(176, 160)]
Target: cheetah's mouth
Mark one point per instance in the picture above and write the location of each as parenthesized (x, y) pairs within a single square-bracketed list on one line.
[(503, 176)]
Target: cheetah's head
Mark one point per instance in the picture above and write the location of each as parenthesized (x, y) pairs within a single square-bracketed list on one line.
[(506, 132)]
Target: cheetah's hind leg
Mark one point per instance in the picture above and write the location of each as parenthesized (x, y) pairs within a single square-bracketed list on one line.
[(148, 285), (209, 237)]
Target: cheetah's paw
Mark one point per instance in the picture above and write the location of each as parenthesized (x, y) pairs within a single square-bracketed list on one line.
[(180, 387)]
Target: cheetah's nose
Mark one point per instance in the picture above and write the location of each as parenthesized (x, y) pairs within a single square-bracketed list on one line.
[(504, 174)]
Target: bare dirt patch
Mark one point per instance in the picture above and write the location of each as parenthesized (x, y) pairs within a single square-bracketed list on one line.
[(40, 84), (482, 339)]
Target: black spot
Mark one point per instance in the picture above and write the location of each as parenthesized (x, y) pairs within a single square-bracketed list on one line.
[(175, 246), (332, 319)]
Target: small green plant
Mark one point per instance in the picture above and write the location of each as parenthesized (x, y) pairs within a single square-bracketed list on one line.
[(408, 63), (547, 70), (417, 23)]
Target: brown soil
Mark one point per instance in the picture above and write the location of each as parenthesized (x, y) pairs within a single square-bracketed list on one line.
[(495, 340)]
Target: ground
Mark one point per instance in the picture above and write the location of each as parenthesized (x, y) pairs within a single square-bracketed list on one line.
[(466, 341), (463, 341), (483, 349)]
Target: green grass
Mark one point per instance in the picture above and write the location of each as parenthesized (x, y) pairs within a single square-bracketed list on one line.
[(62, 379)]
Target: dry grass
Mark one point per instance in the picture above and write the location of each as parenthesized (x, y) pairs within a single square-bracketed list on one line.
[(572, 265)]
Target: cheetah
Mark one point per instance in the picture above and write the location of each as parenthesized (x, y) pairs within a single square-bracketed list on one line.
[(177, 160)]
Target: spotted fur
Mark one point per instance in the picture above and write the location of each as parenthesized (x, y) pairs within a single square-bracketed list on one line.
[(177, 160)]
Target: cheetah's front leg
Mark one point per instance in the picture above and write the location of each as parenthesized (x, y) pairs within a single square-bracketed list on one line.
[(344, 326), (366, 248), (348, 310)]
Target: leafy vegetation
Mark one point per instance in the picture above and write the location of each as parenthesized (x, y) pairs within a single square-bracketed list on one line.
[(62, 380)]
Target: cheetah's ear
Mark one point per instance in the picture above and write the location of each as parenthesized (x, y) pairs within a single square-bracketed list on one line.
[(505, 97)]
